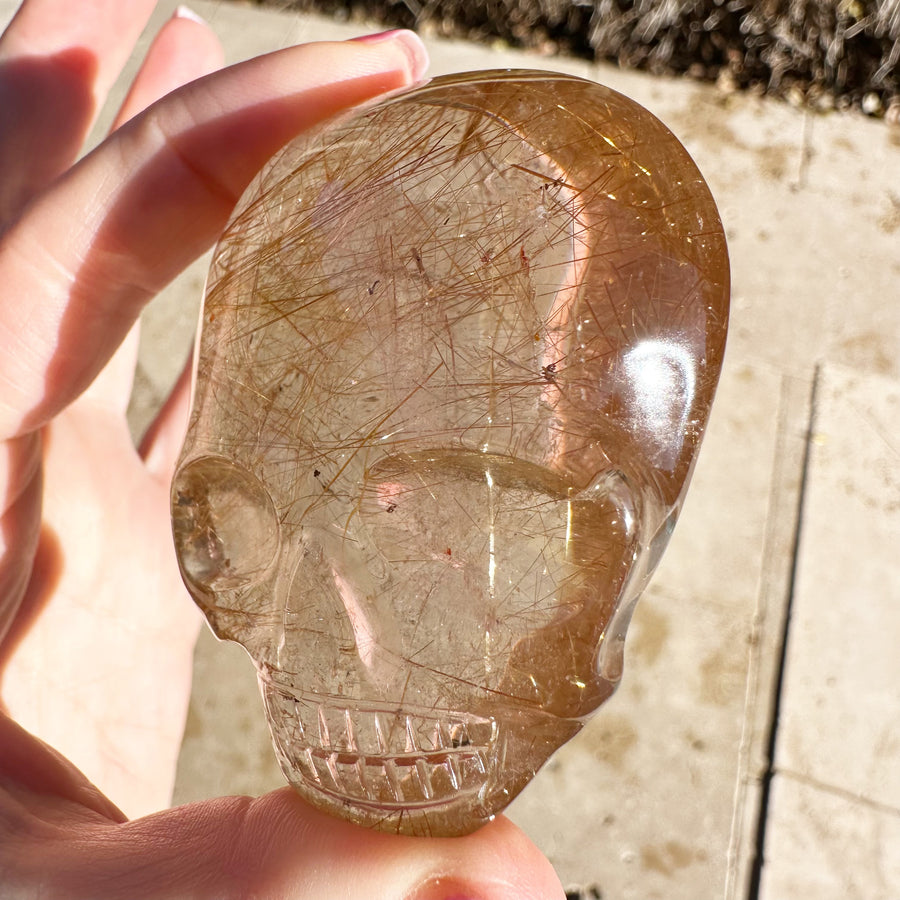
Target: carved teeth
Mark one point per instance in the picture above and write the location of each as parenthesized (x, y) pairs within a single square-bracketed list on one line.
[(424, 778), (324, 733), (331, 764), (348, 724), (455, 773), (394, 780), (379, 736), (311, 766), (384, 757)]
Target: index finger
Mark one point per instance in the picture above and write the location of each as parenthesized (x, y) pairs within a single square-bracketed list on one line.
[(81, 262), (57, 62)]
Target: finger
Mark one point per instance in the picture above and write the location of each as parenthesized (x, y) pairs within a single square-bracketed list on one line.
[(57, 62), (29, 768), (277, 846), (20, 522), (184, 49), (498, 862), (112, 387), (162, 443), (126, 219)]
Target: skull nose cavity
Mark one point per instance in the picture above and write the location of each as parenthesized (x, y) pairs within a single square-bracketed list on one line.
[(374, 755), (224, 524)]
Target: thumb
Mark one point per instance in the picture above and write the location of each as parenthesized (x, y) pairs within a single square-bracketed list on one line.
[(274, 846), (59, 842)]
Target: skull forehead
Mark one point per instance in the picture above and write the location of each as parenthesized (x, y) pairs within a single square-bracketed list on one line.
[(415, 295), (449, 264)]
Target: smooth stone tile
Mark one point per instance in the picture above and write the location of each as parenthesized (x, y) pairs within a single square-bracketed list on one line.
[(828, 846), (733, 547), (840, 716)]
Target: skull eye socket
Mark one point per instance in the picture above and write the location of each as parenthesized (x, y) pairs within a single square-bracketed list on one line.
[(224, 524)]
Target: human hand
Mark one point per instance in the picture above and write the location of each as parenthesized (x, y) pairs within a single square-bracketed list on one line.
[(96, 630)]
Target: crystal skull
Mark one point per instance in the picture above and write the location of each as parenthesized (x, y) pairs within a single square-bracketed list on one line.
[(457, 355)]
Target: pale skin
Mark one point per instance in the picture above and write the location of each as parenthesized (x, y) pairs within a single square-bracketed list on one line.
[(96, 629)]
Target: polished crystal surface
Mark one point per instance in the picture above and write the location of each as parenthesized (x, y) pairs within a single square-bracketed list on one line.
[(457, 355)]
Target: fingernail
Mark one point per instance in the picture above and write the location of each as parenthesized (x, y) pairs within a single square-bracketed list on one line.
[(444, 889), (409, 41), (431, 895), (378, 37), (185, 12)]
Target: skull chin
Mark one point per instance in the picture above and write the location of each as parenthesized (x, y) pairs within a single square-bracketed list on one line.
[(405, 768)]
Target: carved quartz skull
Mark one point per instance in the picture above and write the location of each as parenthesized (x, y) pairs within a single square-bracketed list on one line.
[(458, 351)]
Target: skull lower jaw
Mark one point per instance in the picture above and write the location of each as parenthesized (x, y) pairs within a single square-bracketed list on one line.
[(405, 769)]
